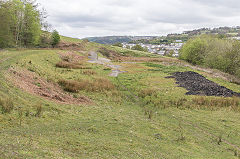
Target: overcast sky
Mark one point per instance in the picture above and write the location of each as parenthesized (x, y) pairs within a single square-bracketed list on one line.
[(84, 18)]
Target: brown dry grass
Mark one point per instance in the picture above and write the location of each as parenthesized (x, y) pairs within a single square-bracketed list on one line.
[(72, 45), (214, 103), (72, 60), (108, 53), (147, 92), (70, 86), (6, 105), (71, 57), (98, 85), (71, 65), (34, 84), (89, 72)]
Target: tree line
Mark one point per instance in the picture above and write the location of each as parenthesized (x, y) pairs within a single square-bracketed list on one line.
[(213, 51), (21, 24)]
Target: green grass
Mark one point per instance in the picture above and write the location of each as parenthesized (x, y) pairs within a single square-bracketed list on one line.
[(117, 123), (70, 40), (134, 53)]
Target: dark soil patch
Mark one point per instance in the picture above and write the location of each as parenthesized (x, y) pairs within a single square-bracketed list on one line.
[(197, 84)]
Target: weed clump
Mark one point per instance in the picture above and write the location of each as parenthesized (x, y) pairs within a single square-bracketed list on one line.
[(89, 72), (149, 113), (215, 103), (147, 92), (70, 86), (108, 53), (97, 85), (73, 65), (6, 105), (178, 102), (39, 110), (104, 52)]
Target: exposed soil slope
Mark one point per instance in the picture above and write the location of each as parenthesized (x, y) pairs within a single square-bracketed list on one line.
[(197, 84), (32, 83)]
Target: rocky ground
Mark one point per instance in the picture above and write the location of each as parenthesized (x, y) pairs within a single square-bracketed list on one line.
[(197, 84)]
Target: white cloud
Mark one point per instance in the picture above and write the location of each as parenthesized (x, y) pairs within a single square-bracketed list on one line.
[(82, 18)]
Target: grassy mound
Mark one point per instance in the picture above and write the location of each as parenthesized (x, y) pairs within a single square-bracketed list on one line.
[(139, 114)]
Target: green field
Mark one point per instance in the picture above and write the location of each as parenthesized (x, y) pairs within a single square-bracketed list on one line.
[(139, 114)]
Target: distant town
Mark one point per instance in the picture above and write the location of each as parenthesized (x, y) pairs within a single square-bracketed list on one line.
[(162, 49), (166, 45)]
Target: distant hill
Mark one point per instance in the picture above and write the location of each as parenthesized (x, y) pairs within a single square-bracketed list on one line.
[(225, 31), (221, 31), (117, 39)]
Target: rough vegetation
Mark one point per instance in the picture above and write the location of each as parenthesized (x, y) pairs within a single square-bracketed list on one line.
[(32, 83), (59, 112), (213, 52), (55, 104), (108, 53), (97, 85)]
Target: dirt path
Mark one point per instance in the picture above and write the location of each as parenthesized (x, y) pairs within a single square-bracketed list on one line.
[(93, 56)]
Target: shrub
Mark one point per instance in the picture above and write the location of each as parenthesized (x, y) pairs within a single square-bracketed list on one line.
[(213, 52), (216, 103), (169, 53), (74, 65), (148, 92), (38, 111), (55, 38), (118, 44), (45, 40), (97, 85), (6, 105), (193, 51), (139, 48), (89, 72), (102, 84), (69, 86)]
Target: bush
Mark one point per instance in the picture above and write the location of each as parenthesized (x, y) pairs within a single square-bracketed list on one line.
[(70, 86), (139, 48), (98, 85), (193, 51), (213, 52), (89, 72), (45, 40), (6, 105), (38, 110), (74, 65), (55, 38), (147, 92), (118, 44)]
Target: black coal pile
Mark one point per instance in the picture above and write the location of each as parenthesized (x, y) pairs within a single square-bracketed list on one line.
[(197, 84)]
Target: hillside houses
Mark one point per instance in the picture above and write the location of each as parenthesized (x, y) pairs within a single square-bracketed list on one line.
[(158, 49)]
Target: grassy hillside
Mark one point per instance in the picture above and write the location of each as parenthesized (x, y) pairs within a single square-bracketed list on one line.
[(75, 110), (70, 40)]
